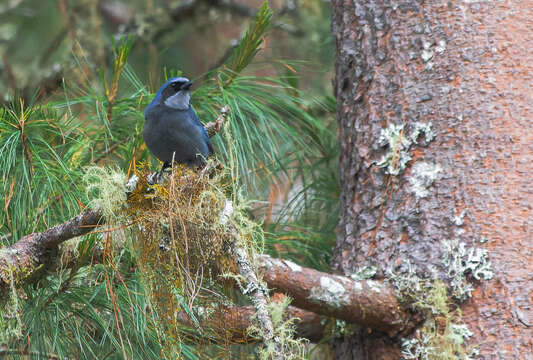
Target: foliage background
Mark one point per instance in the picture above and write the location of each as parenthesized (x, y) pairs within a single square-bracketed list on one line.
[(72, 100)]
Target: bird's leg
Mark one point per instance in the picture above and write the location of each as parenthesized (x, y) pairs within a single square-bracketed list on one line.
[(164, 167), (157, 176), (207, 169)]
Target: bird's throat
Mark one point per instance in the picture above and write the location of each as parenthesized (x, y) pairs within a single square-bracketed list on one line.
[(179, 100)]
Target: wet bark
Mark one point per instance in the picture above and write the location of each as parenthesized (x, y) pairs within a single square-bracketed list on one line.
[(465, 68)]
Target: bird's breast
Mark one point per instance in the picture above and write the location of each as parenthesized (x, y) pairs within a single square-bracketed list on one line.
[(174, 135)]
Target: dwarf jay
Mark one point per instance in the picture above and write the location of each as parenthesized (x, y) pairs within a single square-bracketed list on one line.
[(172, 130)]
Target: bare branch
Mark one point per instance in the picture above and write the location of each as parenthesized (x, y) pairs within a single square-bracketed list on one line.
[(369, 303), (214, 127)]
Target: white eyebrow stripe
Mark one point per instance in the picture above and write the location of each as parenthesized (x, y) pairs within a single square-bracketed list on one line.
[(180, 79)]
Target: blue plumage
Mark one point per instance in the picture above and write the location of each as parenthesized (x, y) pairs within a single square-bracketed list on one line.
[(172, 130)]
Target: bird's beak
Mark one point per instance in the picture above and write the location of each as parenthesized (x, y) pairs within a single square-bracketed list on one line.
[(186, 86)]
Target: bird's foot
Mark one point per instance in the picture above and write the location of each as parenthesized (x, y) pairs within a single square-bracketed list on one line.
[(210, 167), (155, 178)]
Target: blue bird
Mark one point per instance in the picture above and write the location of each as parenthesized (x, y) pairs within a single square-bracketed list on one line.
[(172, 130)]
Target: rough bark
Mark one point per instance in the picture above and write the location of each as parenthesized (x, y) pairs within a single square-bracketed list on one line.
[(20, 259), (368, 303), (465, 68)]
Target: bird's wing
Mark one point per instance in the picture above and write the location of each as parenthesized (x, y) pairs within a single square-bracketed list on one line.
[(204, 132)]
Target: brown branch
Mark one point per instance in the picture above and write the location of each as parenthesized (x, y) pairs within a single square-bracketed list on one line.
[(20, 259), (5, 352), (370, 303), (11, 80), (116, 12), (237, 320)]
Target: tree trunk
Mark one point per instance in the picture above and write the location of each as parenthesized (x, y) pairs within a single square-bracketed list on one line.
[(462, 72)]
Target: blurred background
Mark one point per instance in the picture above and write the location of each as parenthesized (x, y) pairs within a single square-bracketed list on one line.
[(42, 42)]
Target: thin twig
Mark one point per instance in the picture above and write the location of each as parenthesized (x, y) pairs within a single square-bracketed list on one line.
[(214, 127)]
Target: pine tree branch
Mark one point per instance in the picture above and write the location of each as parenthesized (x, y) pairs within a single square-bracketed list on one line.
[(370, 303), (257, 294), (214, 127), (238, 319), (21, 258)]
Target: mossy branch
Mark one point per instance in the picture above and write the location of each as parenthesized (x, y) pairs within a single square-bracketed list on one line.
[(23, 257), (215, 126), (238, 320), (364, 304)]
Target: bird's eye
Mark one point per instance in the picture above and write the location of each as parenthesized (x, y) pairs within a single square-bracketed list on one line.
[(175, 85)]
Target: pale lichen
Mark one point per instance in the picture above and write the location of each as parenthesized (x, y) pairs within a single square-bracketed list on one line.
[(428, 344), (364, 273), (459, 220), (443, 335), (441, 47), (375, 286), (396, 159), (292, 348), (426, 55), (461, 261), (423, 174), (293, 266), (105, 189), (331, 292), (423, 127)]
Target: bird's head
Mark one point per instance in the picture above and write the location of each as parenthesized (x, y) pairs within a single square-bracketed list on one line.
[(176, 93)]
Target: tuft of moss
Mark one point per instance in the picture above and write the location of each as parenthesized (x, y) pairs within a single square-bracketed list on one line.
[(11, 325)]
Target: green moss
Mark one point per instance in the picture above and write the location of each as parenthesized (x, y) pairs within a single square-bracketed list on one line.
[(182, 248), (11, 325), (443, 335)]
